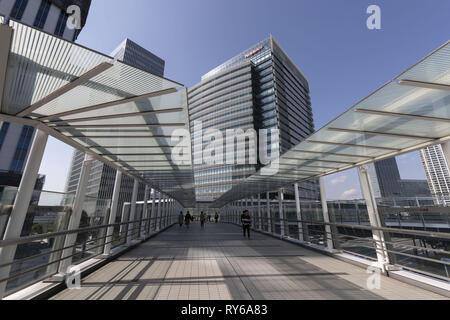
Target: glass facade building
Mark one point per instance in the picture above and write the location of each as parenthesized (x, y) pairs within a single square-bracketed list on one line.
[(261, 88)]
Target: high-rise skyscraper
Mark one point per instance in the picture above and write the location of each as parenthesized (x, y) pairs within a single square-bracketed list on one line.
[(260, 88), (50, 16), (437, 169), (102, 176), (387, 182)]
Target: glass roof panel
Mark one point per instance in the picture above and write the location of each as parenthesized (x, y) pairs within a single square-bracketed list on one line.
[(39, 64), (434, 68), (118, 82), (170, 101)]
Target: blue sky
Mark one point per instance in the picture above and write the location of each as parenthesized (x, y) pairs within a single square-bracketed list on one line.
[(328, 40)]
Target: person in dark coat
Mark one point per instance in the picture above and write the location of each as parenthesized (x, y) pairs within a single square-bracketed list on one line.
[(246, 221)]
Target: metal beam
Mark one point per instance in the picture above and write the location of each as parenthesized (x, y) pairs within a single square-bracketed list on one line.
[(423, 84), (130, 125), (328, 161), (131, 147), (402, 115), (353, 145), (66, 88), (377, 133), (118, 137), (333, 154), (110, 104), (116, 116), (5, 40)]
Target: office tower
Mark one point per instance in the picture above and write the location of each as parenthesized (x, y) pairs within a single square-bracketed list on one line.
[(102, 176), (437, 170), (133, 54), (261, 88), (387, 183), (50, 16)]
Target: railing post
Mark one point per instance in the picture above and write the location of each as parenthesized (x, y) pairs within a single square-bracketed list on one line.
[(158, 215), (281, 213), (113, 213), (259, 212), (152, 213), (131, 228), (77, 212), (299, 213), (326, 216), (269, 220), (374, 218), (21, 203), (144, 218)]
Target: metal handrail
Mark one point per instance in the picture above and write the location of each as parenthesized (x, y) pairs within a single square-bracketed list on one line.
[(126, 235), (22, 240)]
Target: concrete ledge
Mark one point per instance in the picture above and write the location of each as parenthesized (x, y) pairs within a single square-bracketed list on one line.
[(422, 281), (47, 288)]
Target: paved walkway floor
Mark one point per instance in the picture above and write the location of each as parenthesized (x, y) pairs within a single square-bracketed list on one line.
[(218, 263)]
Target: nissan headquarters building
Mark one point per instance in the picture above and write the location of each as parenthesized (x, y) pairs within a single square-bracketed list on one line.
[(260, 88)]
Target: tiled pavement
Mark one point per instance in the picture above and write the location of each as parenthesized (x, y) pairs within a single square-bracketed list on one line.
[(218, 263)]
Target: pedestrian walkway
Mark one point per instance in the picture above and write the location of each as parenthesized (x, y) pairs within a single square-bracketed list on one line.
[(218, 263)]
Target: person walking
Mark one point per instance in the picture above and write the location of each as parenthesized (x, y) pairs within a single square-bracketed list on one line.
[(181, 219), (246, 221), (202, 219), (187, 219), (216, 217)]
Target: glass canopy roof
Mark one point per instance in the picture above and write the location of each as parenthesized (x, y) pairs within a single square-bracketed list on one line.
[(126, 117), (410, 112), (122, 115)]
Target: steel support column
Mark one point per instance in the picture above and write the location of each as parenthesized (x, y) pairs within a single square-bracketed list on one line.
[(132, 230), (113, 213), (281, 213), (158, 214), (21, 203), (144, 218), (152, 213), (299, 213), (326, 217), (259, 212), (77, 211), (374, 218), (269, 220)]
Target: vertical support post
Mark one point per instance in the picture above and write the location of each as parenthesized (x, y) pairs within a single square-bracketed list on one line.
[(281, 213), (131, 227), (152, 213), (77, 211), (5, 40), (158, 215), (326, 216), (299, 213), (252, 210), (269, 220), (21, 203), (145, 222), (113, 213), (259, 212), (374, 218)]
